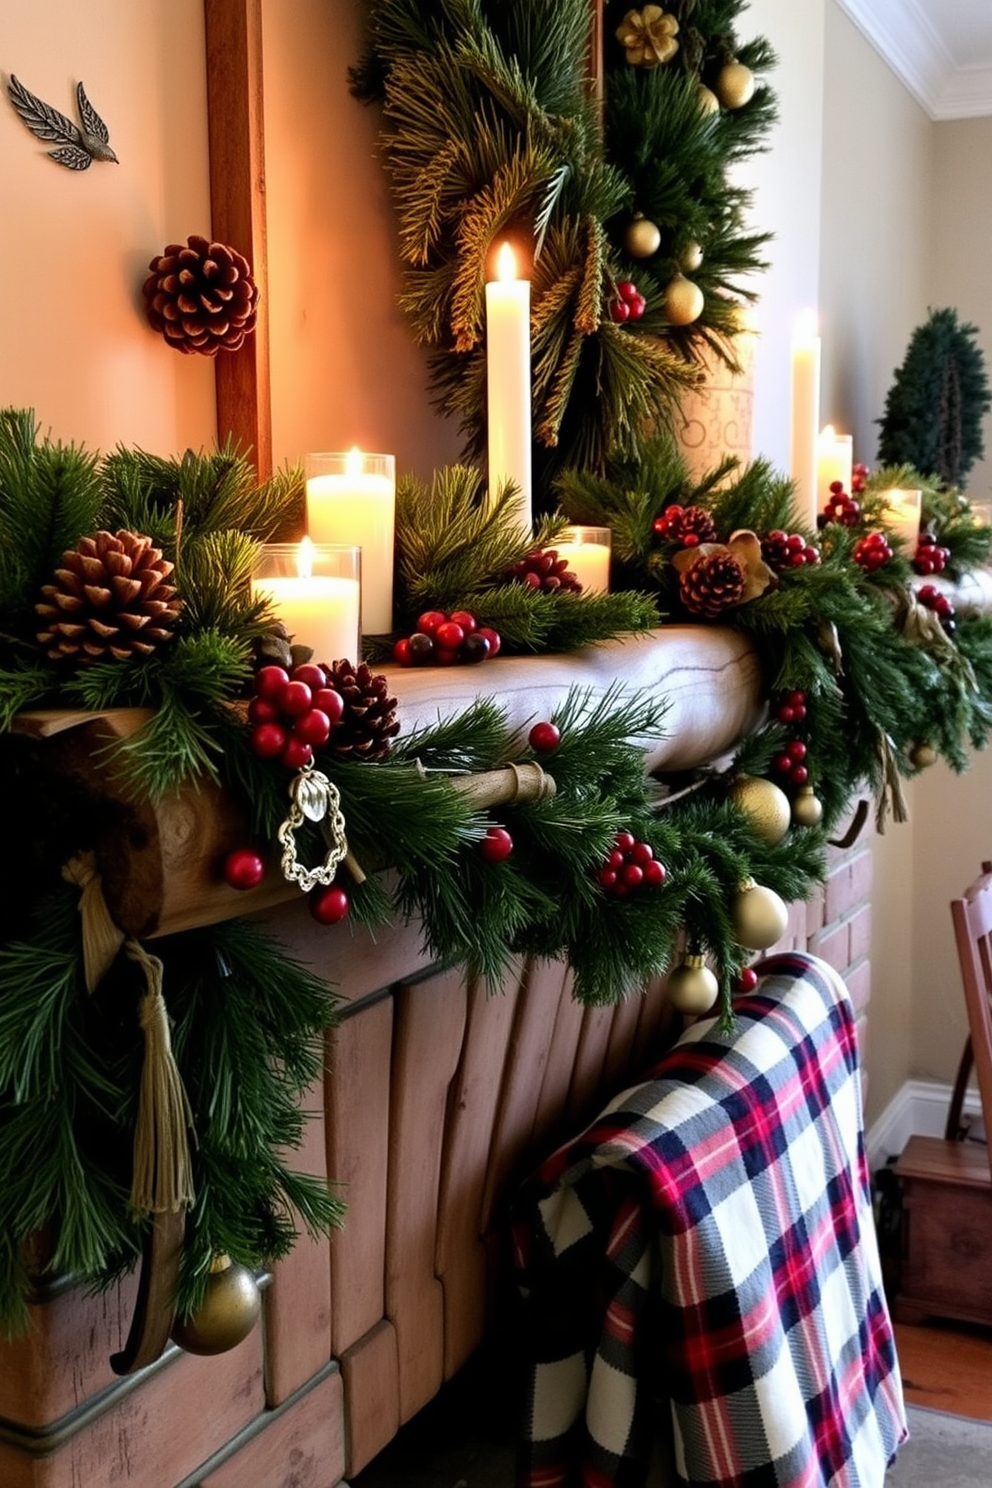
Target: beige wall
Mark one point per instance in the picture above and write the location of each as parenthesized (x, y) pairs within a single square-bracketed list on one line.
[(877, 214)]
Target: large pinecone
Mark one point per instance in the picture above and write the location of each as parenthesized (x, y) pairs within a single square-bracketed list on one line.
[(109, 598), (201, 297), (369, 721), (712, 584)]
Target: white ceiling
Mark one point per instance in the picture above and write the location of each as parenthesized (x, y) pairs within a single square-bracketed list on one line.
[(942, 50)]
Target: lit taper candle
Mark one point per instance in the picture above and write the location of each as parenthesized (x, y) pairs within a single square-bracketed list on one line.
[(805, 413), (508, 382)]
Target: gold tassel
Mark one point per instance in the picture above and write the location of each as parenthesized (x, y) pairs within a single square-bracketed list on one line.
[(101, 937), (162, 1179), (891, 792)]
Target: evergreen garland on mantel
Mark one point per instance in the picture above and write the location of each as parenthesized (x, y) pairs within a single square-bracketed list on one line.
[(884, 682)]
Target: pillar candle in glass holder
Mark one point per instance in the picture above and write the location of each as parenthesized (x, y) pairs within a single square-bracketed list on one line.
[(834, 462), (587, 552), (315, 590), (351, 498), (902, 515), (805, 413), (508, 394)]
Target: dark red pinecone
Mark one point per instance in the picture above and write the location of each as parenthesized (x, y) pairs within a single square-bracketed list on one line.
[(369, 721), (201, 296), (712, 584), (689, 525), (543, 569)]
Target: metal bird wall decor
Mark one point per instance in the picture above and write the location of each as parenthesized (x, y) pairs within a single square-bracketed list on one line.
[(78, 146)]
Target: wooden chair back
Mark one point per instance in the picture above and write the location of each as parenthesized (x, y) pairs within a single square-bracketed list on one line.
[(972, 919)]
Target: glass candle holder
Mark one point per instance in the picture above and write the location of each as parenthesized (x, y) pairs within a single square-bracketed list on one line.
[(902, 515), (351, 498), (315, 590), (587, 551)]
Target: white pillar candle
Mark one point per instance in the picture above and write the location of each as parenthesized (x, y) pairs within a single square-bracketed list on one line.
[(315, 591), (351, 498), (805, 414), (587, 552), (834, 462), (508, 392), (902, 515)]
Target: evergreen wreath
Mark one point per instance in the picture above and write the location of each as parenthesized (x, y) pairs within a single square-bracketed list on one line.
[(934, 408), (493, 127)]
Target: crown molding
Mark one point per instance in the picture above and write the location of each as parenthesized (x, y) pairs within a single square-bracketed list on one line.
[(905, 38)]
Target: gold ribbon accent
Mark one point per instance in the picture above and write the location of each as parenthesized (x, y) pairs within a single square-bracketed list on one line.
[(101, 937), (162, 1178)]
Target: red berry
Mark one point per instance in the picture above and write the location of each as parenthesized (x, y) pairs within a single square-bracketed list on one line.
[(401, 651), (329, 701), (544, 737), (421, 648), (626, 289), (295, 699), (747, 979), (492, 637), (497, 845), (328, 905), (296, 753), (607, 877), (474, 648), (313, 727), (655, 872), (310, 673), (262, 710), (632, 874), (637, 305), (799, 775), (465, 619), (782, 764), (616, 859), (268, 740), (243, 868), (624, 841), (641, 852), (445, 655), (785, 714), (619, 311), (449, 635), (796, 750), (270, 680), (429, 621)]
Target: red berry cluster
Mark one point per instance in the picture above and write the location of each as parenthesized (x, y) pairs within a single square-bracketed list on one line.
[(292, 713), (841, 508), (782, 550), (930, 557), (871, 551), (790, 763), (859, 478), (443, 640), (629, 303), (931, 597), (688, 525), (630, 865), (789, 707)]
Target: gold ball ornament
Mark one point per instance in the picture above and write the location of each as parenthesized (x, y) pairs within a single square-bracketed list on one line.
[(760, 916), (807, 810), (734, 85), (922, 756), (683, 300), (765, 805), (642, 237), (692, 988), (707, 99), (691, 258), (227, 1314)]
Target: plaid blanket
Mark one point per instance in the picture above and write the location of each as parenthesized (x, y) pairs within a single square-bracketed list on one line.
[(705, 1251)]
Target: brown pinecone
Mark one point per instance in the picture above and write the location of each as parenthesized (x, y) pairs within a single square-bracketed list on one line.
[(369, 720), (543, 569), (689, 525), (711, 584), (109, 598), (201, 297)]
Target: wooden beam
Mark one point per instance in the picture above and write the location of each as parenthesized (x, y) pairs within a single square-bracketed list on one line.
[(237, 207)]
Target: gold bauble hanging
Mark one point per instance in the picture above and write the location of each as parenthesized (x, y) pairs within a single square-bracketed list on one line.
[(683, 300), (691, 257), (807, 809), (765, 805), (760, 916), (734, 86), (227, 1314), (692, 988), (642, 237), (707, 99), (922, 756)]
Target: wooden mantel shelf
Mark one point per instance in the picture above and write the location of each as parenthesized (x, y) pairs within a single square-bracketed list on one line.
[(161, 865)]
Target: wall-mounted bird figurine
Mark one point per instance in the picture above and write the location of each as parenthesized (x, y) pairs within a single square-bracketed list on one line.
[(78, 147)]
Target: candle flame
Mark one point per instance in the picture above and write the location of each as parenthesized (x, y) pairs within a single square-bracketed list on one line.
[(304, 559), (506, 264), (828, 434), (353, 461)]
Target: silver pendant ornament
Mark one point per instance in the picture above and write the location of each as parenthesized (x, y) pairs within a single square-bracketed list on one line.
[(313, 798)]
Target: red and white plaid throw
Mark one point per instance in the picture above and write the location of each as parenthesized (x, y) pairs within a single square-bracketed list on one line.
[(706, 1249)]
